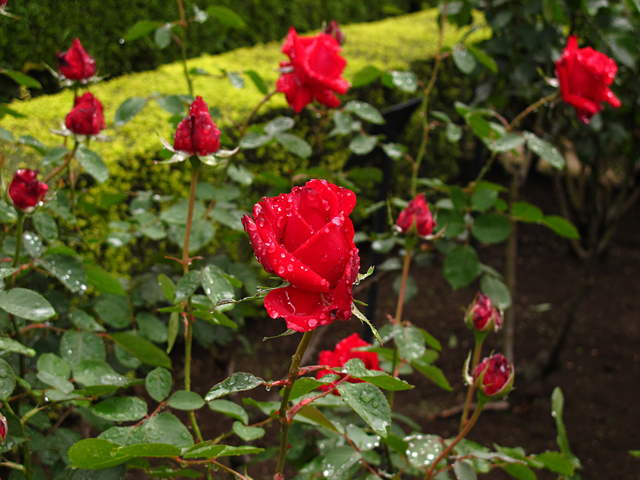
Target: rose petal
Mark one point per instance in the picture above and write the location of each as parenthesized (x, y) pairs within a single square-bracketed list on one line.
[(302, 310), (296, 232), (312, 205), (259, 247)]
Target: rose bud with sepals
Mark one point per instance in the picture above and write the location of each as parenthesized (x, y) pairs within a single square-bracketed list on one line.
[(87, 116), (493, 377), (416, 217), (197, 134), (25, 190), (482, 315), (334, 30), (76, 63)]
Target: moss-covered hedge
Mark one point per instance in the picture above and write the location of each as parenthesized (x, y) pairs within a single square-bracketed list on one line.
[(392, 43)]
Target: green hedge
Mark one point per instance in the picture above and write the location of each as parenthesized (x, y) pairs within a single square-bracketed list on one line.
[(392, 43)]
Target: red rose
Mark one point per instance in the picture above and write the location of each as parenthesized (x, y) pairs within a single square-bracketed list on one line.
[(315, 70), (416, 213), (25, 190), (334, 30), (2, 4), (197, 134), (3, 421), (306, 237), (585, 76), (482, 315), (342, 354), (86, 117), (75, 63), (494, 376)]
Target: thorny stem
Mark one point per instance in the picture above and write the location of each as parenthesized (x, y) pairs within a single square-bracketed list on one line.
[(455, 441), (16, 255), (255, 110), (474, 364), (284, 423), (183, 46), (425, 103), (67, 160), (196, 166)]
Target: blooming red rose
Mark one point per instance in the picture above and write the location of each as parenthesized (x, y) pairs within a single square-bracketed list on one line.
[(334, 30), (75, 63), (306, 237), (585, 76), (197, 134), (344, 352), (494, 376), (25, 190), (315, 70), (418, 214), (86, 117), (482, 315)]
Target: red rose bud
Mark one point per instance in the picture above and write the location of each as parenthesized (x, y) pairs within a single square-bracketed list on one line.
[(306, 237), (585, 76), (315, 71), (344, 352), (197, 134), (418, 214), (25, 190), (494, 376), (482, 315), (86, 117), (75, 63), (334, 30), (3, 421), (2, 4)]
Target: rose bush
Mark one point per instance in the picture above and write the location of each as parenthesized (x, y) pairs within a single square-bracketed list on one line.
[(197, 134), (585, 75), (345, 351), (417, 213), (306, 237), (86, 117), (25, 190), (314, 70), (76, 63)]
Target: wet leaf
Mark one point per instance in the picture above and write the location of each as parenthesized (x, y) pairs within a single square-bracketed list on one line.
[(93, 164), (230, 409), (26, 304), (114, 310), (215, 285), (104, 281), (370, 403), (167, 428), (7, 380), (121, 409), (185, 400), (238, 382), (247, 433), (78, 346), (142, 349), (130, 107), (461, 266), (159, 383)]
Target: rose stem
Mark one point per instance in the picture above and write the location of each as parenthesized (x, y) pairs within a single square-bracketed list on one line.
[(20, 226), (425, 103), (284, 424), (474, 364), (183, 46), (67, 160), (195, 171), (255, 110), (515, 123), (461, 435)]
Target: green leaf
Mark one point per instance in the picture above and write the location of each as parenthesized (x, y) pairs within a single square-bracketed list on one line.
[(238, 382), (363, 144), (114, 310), (257, 81), (51, 363), (104, 281), (433, 373), (635, 453), (4, 110), (97, 372), (82, 319), (187, 286), (556, 462), (356, 368), (393, 150), (405, 81), (129, 109), (365, 76), (369, 402), (236, 79), (303, 386), (167, 428), (507, 142), (6, 135), (365, 111), (159, 383), (560, 225), (227, 17), (496, 291), (151, 327), (557, 410), (409, 341), (22, 79), (545, 150), (519, 471), (53, 156), (423, 449), (162, 37), (121, 409), (483, 199), (140, 29), (95, 453), (459, 198), (231, 409), (216, 285), (45, 225), (453, 132), (205, 450), (93, 164), (7, 380), (337, 462), (279, 124), (247, 433), (241, 175), (172, 104), (254, 140), (172, 330), (11, 345), (461, 266), (295, 145), (69, 270), (464, 470), (156, 450), (464, 60), (34, 143), (168, 287), (525, 212), (483, 58), (313, 416), (491, 228), (142, 349), (26, 304), (78, 346), (185, 400)]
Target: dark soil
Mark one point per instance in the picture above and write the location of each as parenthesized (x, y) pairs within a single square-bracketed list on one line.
[(600, 365)]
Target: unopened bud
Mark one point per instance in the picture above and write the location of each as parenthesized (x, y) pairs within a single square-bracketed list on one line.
[(494, 376), (334, 30), (3, 428), (482, 315)]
